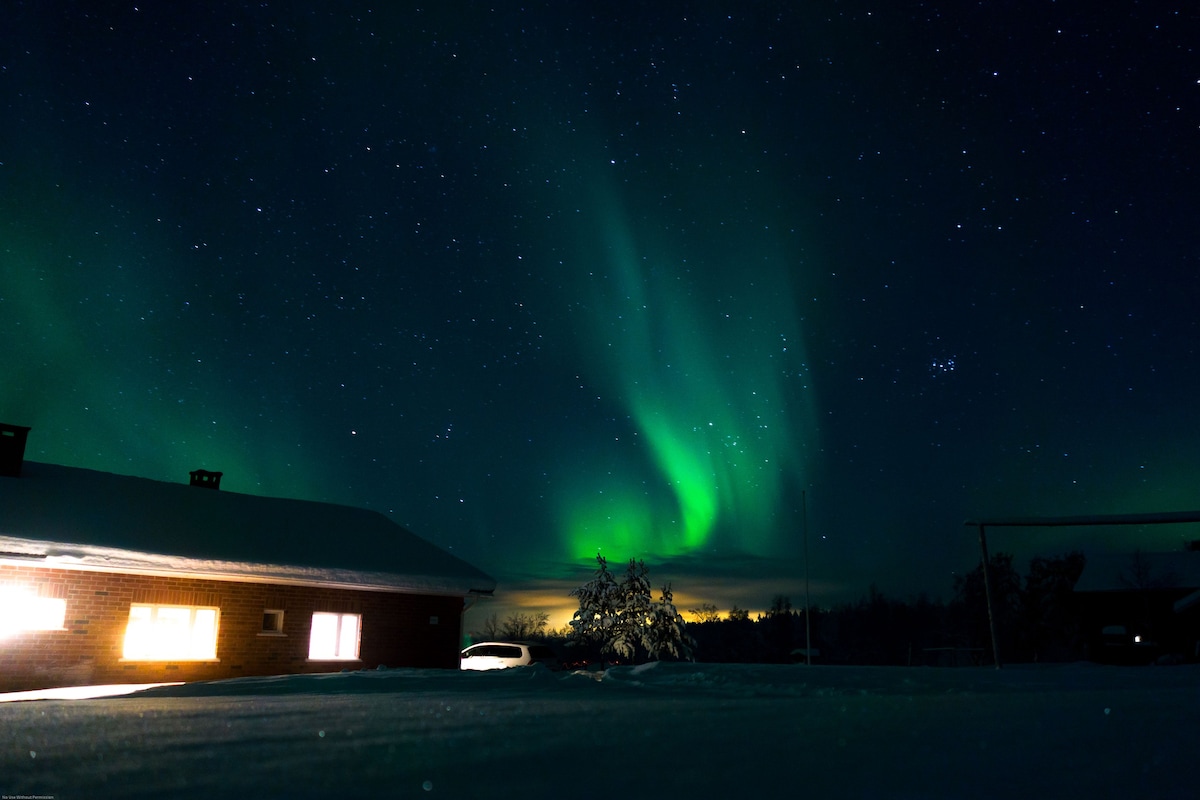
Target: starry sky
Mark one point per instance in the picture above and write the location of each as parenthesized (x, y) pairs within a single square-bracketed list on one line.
[(545, 280)]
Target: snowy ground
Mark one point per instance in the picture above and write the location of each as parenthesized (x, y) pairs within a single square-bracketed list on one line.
[(662, 730)]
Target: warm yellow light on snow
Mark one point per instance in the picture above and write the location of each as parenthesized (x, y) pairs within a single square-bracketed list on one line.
[(81, 692)]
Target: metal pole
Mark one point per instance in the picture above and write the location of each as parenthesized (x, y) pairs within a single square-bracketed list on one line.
[(807, 606), (987, 593)]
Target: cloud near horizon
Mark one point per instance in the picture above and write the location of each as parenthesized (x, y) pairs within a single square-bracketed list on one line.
[(748, 582)]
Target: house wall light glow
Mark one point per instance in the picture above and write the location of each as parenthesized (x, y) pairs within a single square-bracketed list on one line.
[(114, 579)]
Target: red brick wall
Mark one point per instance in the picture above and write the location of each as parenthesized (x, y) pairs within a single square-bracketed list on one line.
[(397, 629)]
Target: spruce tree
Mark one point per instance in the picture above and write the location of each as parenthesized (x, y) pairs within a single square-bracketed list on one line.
[(622, 620), (628, 640), (592, 626), (665, 636)]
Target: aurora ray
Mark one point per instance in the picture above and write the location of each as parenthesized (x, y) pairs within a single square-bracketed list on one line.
[(708, 365)]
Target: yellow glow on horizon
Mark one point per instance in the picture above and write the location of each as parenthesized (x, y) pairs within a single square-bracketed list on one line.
[(752, 588), (561, 607)]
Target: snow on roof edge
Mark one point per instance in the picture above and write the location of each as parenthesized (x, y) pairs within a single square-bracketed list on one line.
[(75, 518), (85, 558)]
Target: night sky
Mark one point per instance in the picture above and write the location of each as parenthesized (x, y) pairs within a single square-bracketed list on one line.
[(548, 280)]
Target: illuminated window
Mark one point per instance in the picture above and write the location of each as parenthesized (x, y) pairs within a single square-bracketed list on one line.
[(334, 637), (171, 633), (23, 610)]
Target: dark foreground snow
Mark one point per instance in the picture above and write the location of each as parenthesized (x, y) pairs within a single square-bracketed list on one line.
[(662, 730)]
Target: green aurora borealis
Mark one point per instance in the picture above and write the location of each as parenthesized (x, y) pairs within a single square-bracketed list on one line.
[(545, 281), (715, 392)]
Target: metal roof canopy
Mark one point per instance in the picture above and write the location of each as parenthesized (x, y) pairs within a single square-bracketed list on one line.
[(1162, 517), (1157, 518)]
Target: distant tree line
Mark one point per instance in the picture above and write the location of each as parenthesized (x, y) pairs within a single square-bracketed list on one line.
[(1036, 620), (517, 626)]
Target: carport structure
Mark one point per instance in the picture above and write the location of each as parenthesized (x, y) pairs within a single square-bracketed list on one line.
[(1159, 518)]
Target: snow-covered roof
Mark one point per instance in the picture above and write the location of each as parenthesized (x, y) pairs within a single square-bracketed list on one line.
[(83, 519)]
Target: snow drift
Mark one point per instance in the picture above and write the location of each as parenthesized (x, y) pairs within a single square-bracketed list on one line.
[(670, 730)]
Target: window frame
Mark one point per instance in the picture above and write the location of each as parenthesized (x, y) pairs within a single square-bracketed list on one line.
[(277, 630), (174, 657), (339, 636)]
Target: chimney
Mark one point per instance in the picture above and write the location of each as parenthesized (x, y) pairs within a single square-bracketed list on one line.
[(209, 480), (12, 449)]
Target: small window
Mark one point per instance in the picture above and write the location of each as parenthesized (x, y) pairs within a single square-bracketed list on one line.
[(24, 610), (272, 622), (334, 637), (171, 633)]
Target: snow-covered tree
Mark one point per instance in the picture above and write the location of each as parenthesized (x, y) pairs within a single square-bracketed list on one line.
[(621, 619), (592, 626), (665, 636), (628, 637)]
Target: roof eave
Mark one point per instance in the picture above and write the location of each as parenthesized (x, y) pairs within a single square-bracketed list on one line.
[(95, 559)]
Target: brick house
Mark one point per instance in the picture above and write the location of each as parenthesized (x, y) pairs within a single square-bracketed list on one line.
[(113, 579)]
